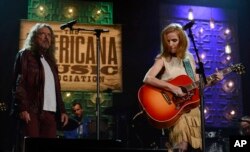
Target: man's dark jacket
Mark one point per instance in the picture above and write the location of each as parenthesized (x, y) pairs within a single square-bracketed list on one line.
[(28, 83)]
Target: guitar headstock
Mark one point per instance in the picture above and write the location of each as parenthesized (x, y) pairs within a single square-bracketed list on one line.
[(238, 68)]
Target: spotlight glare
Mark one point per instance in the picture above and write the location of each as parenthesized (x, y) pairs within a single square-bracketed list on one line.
[(230, 84), (205, 111), (228, 58), (98, 12), (68, 94), (70, 10), (227, 31), (232, 112), (203, 56), (41, 8)]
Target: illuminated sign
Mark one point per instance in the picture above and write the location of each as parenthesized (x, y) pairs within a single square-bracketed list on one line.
[(76, 54)]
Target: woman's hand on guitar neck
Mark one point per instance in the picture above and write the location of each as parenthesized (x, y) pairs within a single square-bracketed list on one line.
[(218, 76)]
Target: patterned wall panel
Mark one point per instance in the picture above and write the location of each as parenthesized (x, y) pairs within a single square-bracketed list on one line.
[(66, 10), (222, 102)]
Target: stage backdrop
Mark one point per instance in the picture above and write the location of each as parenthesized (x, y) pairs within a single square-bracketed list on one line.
[(76, 55)]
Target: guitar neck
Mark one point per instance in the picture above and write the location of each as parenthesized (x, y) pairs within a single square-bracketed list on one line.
[(224, 72), (210, 78)]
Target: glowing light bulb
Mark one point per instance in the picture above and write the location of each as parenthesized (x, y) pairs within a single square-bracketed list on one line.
[(190, 14), (212, 24), (228, 49)]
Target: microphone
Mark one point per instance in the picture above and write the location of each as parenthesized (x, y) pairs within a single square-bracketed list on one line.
[(69, 25), (101, 30), (188, 25)]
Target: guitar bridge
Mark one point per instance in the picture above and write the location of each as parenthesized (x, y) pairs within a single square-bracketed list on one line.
[(166, 97)]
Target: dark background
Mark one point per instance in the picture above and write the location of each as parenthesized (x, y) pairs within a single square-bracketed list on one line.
[(140, 43)]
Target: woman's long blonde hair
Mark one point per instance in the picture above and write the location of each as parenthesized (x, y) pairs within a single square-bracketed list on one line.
[(183, 41)]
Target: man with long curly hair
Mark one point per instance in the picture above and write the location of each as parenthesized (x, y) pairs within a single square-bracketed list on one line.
[(36, 86)]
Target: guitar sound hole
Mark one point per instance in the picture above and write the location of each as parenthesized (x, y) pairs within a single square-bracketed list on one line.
[(187, 97), (183, 89)]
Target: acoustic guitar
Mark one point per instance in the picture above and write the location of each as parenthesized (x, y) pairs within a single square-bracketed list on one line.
[(163, 108)]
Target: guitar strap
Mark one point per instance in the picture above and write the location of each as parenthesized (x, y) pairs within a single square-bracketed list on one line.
[(188, 68)]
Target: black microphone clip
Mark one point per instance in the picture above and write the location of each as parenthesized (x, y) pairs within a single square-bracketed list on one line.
[(188, 25), (69, 25)]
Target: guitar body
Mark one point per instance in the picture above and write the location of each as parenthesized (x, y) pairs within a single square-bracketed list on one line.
[(164, 108)]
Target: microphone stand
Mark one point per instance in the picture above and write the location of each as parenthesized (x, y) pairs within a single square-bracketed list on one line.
[(98, 49), (203, 82)]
